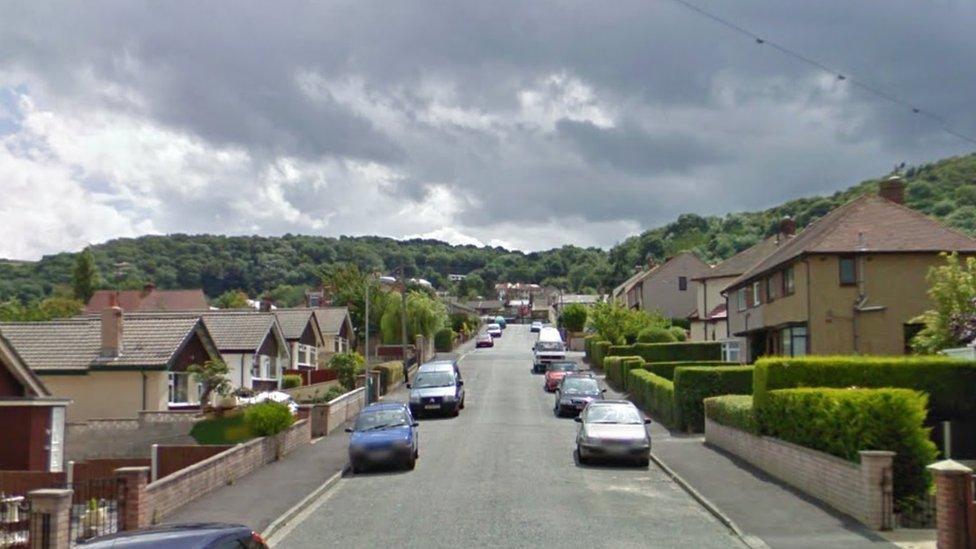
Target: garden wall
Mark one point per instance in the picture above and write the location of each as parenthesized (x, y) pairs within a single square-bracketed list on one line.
[(127, 438)]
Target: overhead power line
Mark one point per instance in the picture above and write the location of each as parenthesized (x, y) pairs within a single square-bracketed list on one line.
[(842, 77)]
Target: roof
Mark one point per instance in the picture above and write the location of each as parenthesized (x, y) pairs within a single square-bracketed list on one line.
[(143, 300), (294, 321), (330, 319), (869, 223), (241, 330), (718, 313), (9, 358), (742, 261), (485, 304), (626, 285), (566, 299), (657, 269), (148, 340)]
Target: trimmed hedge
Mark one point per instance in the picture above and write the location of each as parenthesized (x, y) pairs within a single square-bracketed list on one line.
[(627, 364), (732, 411), (842, 422), (949, 383), (611, 367), (656, 335), (290, 381), (693, 384), (444, 340), (654, 393), (391, 373), (671, 352), (666, 369), (599, 350)]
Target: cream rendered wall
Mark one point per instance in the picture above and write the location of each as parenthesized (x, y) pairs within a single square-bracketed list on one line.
[(109, 395)]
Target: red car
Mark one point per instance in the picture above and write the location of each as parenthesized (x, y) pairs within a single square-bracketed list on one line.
[(556, 371), (484, 340)]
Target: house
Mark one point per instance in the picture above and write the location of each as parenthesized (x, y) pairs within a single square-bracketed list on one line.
[(456, 308), (252, 345), (31, 419), (335, 324), (301, 330), (115, 364), (850, 283), (666, 288), (488, 307), (147, 299), (622, 293)]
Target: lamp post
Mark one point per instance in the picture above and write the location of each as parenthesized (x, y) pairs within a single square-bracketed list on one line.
[(384, 280), (403, 319)]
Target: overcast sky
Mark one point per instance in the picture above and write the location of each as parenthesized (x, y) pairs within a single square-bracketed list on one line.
[(525, 124)]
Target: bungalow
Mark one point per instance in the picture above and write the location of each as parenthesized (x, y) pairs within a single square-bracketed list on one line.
[(303, 336), (252, 345), (147, 299), (31, 420), (335, 324), (850, 283), (115, 364)]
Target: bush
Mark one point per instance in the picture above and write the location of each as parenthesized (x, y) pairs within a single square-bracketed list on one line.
[(654, 393), (693, 384), (268, 418), (611, 367), (671, 352), (679, 333), (444, 340), (656, 335), (842, 422), (291, 381), (732, 411), (348, 365), (391, 373), (333, 393), (600, 350), (950, 384), (666, 369), (573, 317)]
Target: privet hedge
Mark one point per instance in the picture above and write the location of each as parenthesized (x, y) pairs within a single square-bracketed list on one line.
[(611, 367), (844, 421), (733, 411), (444, 340), (671, 352), (666, 369), (599, 350), (390, 373), (693, 384), (654, 393), (949, 383)]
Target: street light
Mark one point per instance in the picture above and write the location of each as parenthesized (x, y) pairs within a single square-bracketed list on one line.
[(385, 281)]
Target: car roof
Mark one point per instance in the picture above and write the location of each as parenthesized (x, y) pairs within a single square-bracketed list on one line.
[(169, 535), (439, 366)]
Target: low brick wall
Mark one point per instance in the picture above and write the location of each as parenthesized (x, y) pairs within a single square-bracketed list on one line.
[(340, 410), (169, 459), (127, 438), (862, 491), (173, 491), (311, 392)]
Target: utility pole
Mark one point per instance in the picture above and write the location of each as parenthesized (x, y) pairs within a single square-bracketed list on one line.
[(403, 317)]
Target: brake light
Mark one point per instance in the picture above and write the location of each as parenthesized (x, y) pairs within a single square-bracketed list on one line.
[(256, 538)]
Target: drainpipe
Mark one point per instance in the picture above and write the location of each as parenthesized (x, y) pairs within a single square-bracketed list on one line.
[(143, 372), (806, 262), (704, 314), (242, 371)]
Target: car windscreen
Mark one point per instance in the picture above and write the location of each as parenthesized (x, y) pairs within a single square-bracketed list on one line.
[(563, 367), (580, 386), (433, 379), (549, 346), (613, 413), (380, 419), (494, 327)]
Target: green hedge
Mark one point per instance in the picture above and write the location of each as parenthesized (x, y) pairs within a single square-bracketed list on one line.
[(844, 421), (656, 334), (391, 373), (733, 411), (588, 342), (599, 350), (290, 381), (654, 393), (666, 369), (444, 340), (949, 383), (611, 367), (693, 384), (671, 352), (627, 364)]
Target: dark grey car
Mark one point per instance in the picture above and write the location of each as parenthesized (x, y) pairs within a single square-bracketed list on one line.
[(575, 392)]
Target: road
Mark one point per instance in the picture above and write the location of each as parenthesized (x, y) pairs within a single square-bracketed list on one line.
[(503, 475)]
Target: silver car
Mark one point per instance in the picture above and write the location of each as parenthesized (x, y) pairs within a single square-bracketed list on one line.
[(437, 387), (613, 429)]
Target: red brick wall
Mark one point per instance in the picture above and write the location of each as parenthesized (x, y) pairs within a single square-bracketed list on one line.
[(170, 459)]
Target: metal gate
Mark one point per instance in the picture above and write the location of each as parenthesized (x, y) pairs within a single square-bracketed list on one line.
[(94, 508)]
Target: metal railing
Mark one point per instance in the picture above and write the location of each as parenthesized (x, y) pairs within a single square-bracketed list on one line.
[(95, 508)]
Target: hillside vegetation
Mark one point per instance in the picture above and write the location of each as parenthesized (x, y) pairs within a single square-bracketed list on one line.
[(945, 189)]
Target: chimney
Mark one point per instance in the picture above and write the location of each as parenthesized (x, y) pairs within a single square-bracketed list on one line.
[(650, 262), (148, 288), (266, 303), (787, 226), (893, 189), (111, 332)]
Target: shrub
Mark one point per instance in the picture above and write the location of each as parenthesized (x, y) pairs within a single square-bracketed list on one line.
[(600, 350), (333, 393), (444, 340), (573, 317), (654, 393), (732, 411), (291, 381), (842, 422), (950, 384), (391, 373), (671, 352), (656, 335), (679, 333), (666, 369), (348, 365), (268, 418), (693, 384)]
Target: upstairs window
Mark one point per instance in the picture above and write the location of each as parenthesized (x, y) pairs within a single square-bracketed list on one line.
[(771, 284), (848, 271), (740, 299), (683, 283), (756, 293), (788, 281)]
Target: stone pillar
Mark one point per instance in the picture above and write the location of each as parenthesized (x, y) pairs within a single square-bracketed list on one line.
[(877, 483), (50, 518), (953, 504), (134, 510)]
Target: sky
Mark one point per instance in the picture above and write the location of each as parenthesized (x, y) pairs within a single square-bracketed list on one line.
[(525, 124)]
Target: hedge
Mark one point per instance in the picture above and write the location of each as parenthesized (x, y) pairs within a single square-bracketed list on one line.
[(627, 364), (391, 373), (666, 369), (654, 393), (656, 335), (671, 352), (949, 383), (693, 384), (842, 422), (599, 350), (733, 411), (444, 340), (611, 367), (290, 381)]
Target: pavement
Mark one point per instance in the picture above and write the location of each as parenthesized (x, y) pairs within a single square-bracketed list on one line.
[(503, 474)]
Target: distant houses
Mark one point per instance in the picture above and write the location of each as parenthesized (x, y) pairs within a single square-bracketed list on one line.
[(147, 299)]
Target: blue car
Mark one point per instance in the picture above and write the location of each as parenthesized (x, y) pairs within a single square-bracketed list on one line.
[(385, 434)]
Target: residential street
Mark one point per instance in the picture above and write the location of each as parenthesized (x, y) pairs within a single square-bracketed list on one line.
[(503, 474)]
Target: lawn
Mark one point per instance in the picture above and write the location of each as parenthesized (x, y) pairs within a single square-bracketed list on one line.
[(229, 429)]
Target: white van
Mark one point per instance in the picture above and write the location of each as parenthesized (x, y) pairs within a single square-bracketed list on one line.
[(549, 348)]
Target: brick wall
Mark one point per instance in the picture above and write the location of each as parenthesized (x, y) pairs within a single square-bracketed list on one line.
[(127, 438), (862, 491), (168, 459), (342, 409)]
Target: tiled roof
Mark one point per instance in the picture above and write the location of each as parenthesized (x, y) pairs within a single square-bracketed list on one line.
[(154, 300), (866, 224), (485, 304), (742, 261), (239, 330), (75, 344), (293, 321), (331, 319)]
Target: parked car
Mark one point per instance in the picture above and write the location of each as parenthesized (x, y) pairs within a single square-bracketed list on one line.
[(549, 348), (536, 326), (494, 330), (484, 340), (441, 364), (436, 390), (574, 392), (384, 434), (613, 429), (555, 372), (182, 536), (500, 320)]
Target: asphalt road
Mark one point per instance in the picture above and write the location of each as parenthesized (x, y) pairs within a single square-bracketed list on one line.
[(503, 475)]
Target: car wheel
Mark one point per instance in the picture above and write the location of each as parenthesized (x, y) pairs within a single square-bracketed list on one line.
[(579, 456), (410, 463), (457, 411), (356, 468), (462, 403), (643, 462)]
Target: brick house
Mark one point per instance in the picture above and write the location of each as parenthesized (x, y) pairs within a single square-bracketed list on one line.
[(147, 299)]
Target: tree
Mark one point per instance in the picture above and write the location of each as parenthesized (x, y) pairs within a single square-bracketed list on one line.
[(952, 322), (348, 365), (85, 277), (425, 315), (573, 317), (232, 299), (619, 325), (212, 374)]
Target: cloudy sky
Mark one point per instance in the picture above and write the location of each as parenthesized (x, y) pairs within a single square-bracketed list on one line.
[(522, 123)]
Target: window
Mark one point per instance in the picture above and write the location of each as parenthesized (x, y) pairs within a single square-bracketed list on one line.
[(683, 283), (306, 355), (848, 272), (771, 288), (256, 366), (740, 299), (179, 388), (788, 282), (730, 351), (267, 367), (756, 294), (793, 341)]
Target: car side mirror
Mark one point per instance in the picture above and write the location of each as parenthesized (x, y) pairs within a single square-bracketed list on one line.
[(603, 390), (647, 421), (408, 385), (460, 383), (578, 419), (348, 429), (415, 424)]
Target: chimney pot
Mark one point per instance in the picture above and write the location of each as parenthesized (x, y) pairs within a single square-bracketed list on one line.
[(266, 303), (148, 288), (787, 226), (893, 189), (111, 332)]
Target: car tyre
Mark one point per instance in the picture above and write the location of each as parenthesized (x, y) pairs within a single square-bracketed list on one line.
[(462, 403), (356, 468), (410, 463), (457, 411), (579, 456)]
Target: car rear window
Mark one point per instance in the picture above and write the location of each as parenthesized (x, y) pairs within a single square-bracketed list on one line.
[(563, 367)]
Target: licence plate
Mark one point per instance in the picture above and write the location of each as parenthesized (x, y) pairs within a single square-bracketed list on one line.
[(432, 406)]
